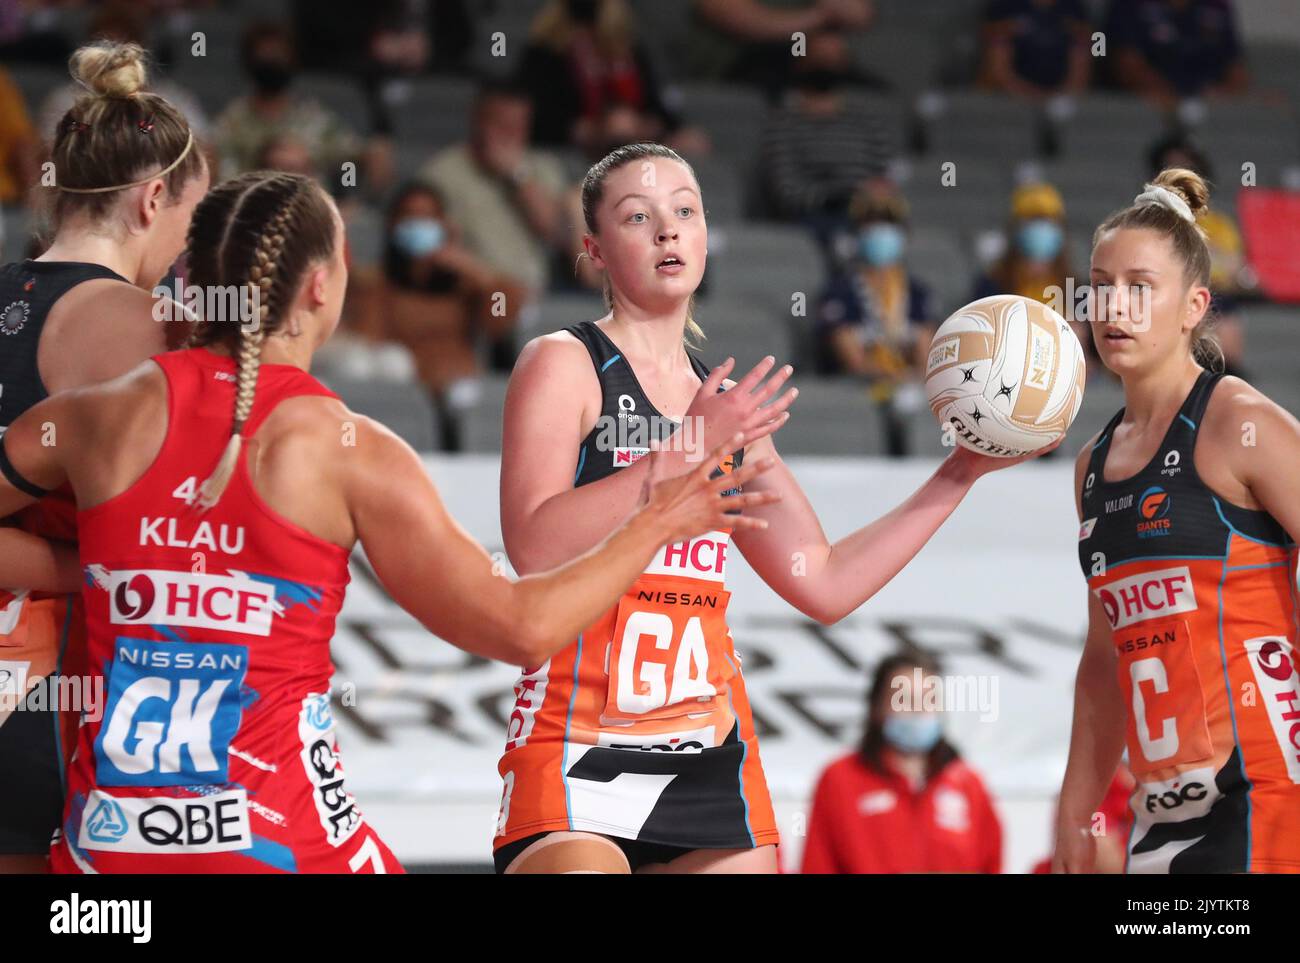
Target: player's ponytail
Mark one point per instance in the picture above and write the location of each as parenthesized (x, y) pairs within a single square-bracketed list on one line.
[(258, 233), (1170, 205)]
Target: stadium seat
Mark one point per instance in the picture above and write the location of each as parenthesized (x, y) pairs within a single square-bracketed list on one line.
[(15, 231), (767, 262), (733, 117), (939, 260), (436, 112), (405, 408), (981, 125), (833, 416), (481, 424)]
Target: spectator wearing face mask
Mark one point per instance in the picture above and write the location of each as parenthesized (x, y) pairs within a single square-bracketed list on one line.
[(437, 298), (904, 802), (1035, 263), (273, 108), (875, 319)]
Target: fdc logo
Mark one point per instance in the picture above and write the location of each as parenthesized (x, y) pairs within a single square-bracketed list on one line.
[(172, 709)]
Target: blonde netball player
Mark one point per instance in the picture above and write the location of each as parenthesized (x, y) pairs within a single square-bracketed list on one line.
[(220, 490), (634, 749), (127, 175), (1188, 511)]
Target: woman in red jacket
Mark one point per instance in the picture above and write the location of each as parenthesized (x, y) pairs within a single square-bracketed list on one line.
[(905, 802)]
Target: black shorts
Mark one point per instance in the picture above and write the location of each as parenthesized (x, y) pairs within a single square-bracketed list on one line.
[(638, 853), (31, 776)]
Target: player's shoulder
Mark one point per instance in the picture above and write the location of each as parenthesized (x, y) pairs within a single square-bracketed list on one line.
[(1236, 402), (1084, 457), (557, 360)]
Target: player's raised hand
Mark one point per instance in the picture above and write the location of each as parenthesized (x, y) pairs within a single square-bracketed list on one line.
[(693, 503), (744, 407)]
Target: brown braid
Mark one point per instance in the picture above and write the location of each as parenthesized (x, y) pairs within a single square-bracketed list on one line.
[(288, 214)]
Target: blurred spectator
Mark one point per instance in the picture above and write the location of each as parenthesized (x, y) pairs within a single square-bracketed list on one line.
[(273, 108), (592, 82), (1167, 50), (750, 40), (435, 297), (125, 22), (339, 35), (1036, 48), (819, 148), (1113, 827), (905, 802), (875, 320), (18, 143), (1036, 261), (506, 196), (1231, 280), (34, 31), (285, 152)]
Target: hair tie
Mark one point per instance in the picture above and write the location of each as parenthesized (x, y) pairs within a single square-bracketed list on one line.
[(1163, 197), (121, 187)]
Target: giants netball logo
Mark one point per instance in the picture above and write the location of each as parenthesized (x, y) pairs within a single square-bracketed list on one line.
[(1153, 507)]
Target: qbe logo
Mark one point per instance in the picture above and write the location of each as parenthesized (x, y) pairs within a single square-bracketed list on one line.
[(335, 806), (1148, 595), (155, 824), (231, 603), (172, 709)]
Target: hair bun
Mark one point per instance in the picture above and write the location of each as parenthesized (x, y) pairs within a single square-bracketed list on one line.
[(109, 69), (1188, 185)]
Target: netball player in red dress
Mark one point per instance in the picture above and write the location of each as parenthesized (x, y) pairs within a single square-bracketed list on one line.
[(220, 490)]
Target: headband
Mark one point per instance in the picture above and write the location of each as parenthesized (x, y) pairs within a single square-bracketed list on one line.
[(1162, 196), (189, 142)]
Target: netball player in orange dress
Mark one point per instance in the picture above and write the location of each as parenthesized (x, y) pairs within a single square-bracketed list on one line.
[(1188, 511), (127, 174), (634, 748)]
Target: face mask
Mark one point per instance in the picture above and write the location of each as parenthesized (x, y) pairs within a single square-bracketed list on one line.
[(881, 244), (418, 236), (270, 76), (913, 732), (1040, 239)]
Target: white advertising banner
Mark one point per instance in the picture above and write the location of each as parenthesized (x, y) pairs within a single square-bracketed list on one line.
[(997, 595)]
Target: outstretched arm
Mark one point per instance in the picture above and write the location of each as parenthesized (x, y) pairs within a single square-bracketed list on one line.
[(827, 581), (442, 576)]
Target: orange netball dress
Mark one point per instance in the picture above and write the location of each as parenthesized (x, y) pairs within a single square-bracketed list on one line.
[(1201, 599), (640, 729)]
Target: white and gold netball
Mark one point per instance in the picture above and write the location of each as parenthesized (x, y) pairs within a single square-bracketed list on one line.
[(1007, 374)]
